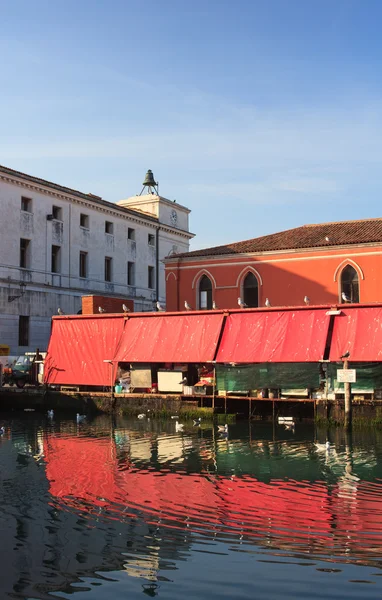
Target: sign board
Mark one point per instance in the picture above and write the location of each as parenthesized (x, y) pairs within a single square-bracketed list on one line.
[(346, 375)]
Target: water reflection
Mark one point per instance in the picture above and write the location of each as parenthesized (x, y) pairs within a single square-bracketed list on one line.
[(82, 504)]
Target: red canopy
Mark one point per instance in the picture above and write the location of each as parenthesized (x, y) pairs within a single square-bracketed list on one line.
[(173, 338), (77, 349), (275, 336), (358, 330)]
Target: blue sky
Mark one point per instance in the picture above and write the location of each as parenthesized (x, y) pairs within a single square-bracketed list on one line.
[(259, 115)]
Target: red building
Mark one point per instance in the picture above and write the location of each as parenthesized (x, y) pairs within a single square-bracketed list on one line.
[(316, 264)]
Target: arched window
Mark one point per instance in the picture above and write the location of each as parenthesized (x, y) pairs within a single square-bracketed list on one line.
[(205, 292), (350, 283), (251, 290)]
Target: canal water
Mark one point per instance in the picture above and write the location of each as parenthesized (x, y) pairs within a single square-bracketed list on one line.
[(115, 508)]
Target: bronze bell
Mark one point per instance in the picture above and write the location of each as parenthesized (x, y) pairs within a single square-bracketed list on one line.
[(149, 179)]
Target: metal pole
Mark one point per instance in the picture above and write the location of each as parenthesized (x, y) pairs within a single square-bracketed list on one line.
[(347, 388), (213, 392)]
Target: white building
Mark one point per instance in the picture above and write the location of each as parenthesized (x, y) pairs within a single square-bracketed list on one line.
[(58, 244)]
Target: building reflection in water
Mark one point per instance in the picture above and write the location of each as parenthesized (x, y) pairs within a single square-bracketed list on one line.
[(132, 497)]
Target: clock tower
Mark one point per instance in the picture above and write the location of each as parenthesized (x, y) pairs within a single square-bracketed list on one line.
[(149, 201), (170, 228)]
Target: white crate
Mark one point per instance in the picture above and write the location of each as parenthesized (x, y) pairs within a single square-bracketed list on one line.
[(188, 390)]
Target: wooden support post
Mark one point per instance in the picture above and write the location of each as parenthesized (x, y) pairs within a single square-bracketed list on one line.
[(225, 404), (347, 388), (249, 409)]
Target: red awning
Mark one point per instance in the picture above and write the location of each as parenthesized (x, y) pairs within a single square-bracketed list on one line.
[(173, 338), (77, 349), (358, 330), (274, 336)]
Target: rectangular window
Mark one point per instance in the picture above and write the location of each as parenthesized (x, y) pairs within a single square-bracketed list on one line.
[(108, 227), (108, 268), (56, 259), (26, 204), (203, 299), (23, 331), (151, 239), (83, 264), (84, 221), (24, 253), (130, 233), (130, 273), (57, 213), (151, 277)]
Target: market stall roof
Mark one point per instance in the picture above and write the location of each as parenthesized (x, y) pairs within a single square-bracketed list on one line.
[(170, 338), (359, 331), (78, 348), (274, 336)]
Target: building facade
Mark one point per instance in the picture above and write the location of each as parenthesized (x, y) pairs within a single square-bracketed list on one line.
[(315, 264), (58, 244)]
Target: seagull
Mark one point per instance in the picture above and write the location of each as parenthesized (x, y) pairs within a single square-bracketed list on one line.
[(124, 308), (159, 307), (214, 307), (101, 310), (267, 303), (60, 312), (345, 298), (184, 381), (306, 300), (289, 426), (223, 428), (2, 430), (178, 426), (346, 354), (50, 414), (241, 303), (80, 418), (141, 416), (186, 305), (197, 421)]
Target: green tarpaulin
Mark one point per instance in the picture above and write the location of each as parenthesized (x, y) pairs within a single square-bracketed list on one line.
[(267, 375)]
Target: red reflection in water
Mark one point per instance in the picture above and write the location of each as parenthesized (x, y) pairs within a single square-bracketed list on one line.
[(298, 516)]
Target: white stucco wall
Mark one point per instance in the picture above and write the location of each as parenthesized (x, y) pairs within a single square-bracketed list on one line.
[(46, 291)]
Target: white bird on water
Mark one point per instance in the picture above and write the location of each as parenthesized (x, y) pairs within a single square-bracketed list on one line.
[(101, 310), (267, 303), (141, 416), (80, 418), (197, 421), (175, 417), (241, 303), (306, 300), (345, 298), (179, 426), (223, 428), (186, 305), (159, 307), (2, 430), (50, 413), (125, 308)]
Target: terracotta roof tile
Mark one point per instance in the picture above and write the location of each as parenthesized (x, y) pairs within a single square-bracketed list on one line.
[(342, 233)]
